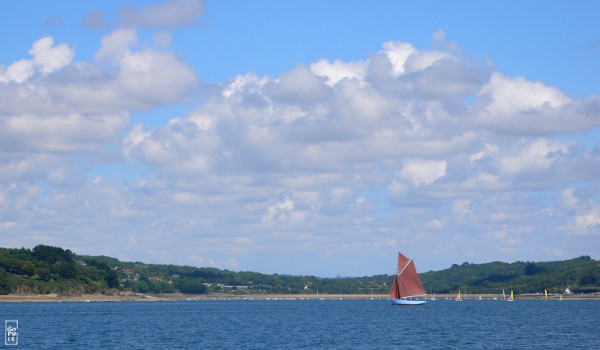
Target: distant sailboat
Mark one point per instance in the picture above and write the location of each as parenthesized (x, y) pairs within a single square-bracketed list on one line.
[(503, 295), (545, 295), (407, 284), (458, 298), (480, 298), (433, 297), (561, 297), (511, 296)]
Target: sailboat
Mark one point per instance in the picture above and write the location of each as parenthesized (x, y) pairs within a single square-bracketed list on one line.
[(433, 297), (503, 295), (458, 298), (511, 296), (546, 295), (407, 284)]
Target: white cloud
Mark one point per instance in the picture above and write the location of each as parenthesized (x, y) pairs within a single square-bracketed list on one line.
[(332, 152), (50, 58), (61, 133), (299, 85), (537, 155), (422, 60), (490, 149), (46, 59), (279, 212), (249, 84), (122, 79), (405, 58), (482, 182), (509, 96), (116, 45), (588, 221), (568, 199), (338, 70), (398, 53), (419, 172), (136, 136), (146, 76), (17, 72)]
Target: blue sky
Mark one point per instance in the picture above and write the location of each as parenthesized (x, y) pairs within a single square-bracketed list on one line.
[(302, 137)]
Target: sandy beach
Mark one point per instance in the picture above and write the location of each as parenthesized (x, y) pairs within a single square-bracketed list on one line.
[(125, 296)]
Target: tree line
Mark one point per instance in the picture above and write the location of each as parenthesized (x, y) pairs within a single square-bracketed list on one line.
[(579, 275), (47, 269)]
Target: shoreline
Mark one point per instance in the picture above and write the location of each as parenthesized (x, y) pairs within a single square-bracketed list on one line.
[(129, 296)]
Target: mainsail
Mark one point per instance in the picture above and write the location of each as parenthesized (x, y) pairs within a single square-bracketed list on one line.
[(406, 283)]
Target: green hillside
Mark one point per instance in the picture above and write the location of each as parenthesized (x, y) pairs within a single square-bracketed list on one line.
[(580, 275), (45, 269)]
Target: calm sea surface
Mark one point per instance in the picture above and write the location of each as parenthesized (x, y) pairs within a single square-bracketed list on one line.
[(306, 324)]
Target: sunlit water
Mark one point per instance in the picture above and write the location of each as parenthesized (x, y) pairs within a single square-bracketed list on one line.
[(307, 324)]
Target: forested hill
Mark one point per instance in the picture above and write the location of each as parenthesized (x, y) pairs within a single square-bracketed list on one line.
[(45, 269), (580, 275)]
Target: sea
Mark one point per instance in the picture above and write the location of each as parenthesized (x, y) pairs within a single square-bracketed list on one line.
[(303, 324)]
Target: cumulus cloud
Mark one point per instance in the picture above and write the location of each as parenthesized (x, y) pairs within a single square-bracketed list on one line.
[(54, 110), (533, 156), (518, 106), (420, 172), (121, 79), (322, 134), (47, 58), (56, 133), (510, 95), (398, 53), (367, 151), (299, 85), (338, 70)]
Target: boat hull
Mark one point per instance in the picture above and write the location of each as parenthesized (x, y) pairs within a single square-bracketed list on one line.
[(406, 302)]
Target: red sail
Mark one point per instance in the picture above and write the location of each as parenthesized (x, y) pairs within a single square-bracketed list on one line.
[(410, 283), (406, 282), (395, 292), (402, 261)]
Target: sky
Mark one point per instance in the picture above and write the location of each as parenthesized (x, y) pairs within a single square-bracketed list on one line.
[(302, 137)]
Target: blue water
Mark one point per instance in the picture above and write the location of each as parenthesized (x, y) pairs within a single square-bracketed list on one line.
[(306, 324)]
